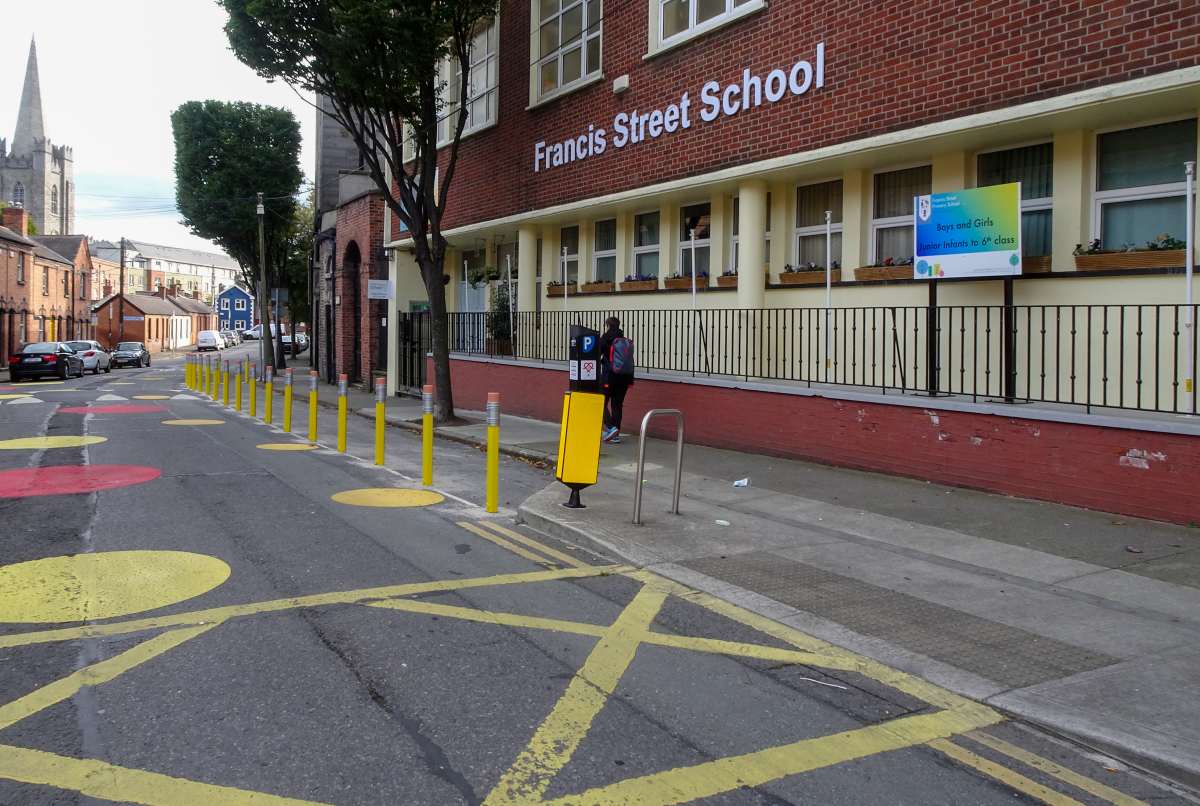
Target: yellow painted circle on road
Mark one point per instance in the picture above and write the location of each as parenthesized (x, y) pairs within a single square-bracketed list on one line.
[(388, 497), (35, 443), (95, 586), (14, 395), (193, 422), (285, 446), (151, 397)]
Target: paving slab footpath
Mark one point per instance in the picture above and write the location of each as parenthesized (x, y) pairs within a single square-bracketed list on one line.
[(1083, 622)]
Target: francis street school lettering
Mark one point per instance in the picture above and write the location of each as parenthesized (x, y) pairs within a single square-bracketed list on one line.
[(715, 101)]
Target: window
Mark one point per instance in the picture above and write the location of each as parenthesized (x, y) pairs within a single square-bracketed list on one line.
[(568, 43), (45, 281), (1033, 167), (481, 87), (733, 241), (18, 198), (225, 304), (681, 19), (1140, 190), (83, 285), (892, 218), (645, 245), (695, 222), (604, 252), (54, 199), (239, 304), (569, 251), (21, 268), (67, 284), (811, 203)]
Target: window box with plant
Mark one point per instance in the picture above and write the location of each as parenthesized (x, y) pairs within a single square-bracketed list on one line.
[(1164, 252), (889, 269), (554, 288), (639, 282), (728, 279), (683, 282), (809, 274), (598, 287)]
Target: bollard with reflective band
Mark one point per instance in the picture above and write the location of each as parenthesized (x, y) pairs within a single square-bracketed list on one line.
[(237, 390), (254, 392), (214, 381), (287, 400), (341, 432), (247, 370), (203, 386), (313, 375), (268, 394), (225, 384), (493, 452), (427, 436), (380, 397)]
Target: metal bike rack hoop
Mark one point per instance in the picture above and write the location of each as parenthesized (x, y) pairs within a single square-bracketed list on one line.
[(641, 461)]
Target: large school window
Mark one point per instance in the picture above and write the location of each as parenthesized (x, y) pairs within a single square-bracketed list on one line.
[(1033, 167), (675, 21), (482, 83), (646, 238), (569, 245), (604, 251), (695, 223), (1140, 184), (892, 211), (567, 52), (811, 203)]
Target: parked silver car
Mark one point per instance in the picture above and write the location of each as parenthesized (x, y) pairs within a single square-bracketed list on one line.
[(95, 357)]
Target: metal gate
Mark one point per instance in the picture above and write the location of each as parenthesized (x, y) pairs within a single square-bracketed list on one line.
[(413, 343)]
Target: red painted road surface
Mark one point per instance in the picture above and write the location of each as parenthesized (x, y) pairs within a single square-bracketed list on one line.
[(117, 408), (69, 479)]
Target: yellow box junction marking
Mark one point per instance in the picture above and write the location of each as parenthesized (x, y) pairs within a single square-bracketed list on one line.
[(560, 734), (504, 544)]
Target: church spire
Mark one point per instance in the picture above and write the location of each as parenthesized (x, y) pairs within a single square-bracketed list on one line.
[(30, 125)]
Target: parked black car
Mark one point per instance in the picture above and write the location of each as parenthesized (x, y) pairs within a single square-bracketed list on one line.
[(131, 354), (44, 358)]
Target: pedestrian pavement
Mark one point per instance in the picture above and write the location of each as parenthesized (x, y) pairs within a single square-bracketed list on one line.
[(1080, 621)]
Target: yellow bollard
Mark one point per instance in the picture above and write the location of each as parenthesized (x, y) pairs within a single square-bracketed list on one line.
[(187, 371), (203, 374), (247, 369), (380, 397), (237, 391), (493, 452), (268, 394), (225, 384), (254, 393), (427, 435), (341, 434), (313, 375), (287, 400), (214, 376)]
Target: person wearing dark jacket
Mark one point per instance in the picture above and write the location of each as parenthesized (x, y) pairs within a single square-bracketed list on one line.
[(615, 386)]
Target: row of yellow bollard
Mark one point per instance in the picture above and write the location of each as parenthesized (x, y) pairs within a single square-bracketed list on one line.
[(213, 378)]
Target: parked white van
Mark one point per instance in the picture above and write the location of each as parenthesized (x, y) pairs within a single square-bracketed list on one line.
[(209, 340)]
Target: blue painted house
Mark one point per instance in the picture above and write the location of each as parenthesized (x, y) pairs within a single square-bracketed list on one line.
[(235, 309)]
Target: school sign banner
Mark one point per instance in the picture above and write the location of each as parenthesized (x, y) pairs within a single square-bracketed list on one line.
[(968, 233)]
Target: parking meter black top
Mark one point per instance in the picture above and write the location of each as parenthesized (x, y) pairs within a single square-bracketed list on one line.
[(584, 359)]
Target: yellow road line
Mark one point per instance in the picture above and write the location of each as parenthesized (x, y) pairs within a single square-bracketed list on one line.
[(491, 617), (95, 674), (1060, 772), (197, 617), (504, 544), (98, 779), (512, 534), (717, 646), (685, 784), (559, 735), (1011, 779)]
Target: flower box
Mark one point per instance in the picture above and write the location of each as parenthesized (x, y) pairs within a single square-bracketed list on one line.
[(557, 289), (884, 273), (809, 277), (1143, 259), (597, 288), (727, 281), (685, 283), (1035, 264), (639, 285)]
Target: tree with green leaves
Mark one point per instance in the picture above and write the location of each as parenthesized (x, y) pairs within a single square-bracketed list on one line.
[(377, 62), (295, 273), (226, 153)]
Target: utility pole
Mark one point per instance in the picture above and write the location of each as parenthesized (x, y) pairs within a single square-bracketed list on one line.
[(121, 296), (266, 348)]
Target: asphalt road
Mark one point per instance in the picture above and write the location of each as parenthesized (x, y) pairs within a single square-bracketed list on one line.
[(189, 617)]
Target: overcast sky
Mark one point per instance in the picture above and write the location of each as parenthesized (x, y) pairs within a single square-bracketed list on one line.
[(111, 74)]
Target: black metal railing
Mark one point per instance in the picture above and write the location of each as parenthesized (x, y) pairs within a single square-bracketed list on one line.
[(1109, 356)]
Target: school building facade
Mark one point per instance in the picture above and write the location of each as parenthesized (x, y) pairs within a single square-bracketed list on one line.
[(611, 146)]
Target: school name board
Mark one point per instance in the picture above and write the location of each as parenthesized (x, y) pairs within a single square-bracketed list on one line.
[(968, 233), (713, 102)]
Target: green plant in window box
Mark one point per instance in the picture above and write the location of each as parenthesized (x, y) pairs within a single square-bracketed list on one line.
[(683, 282), (555, 288), (809, 274), (1163, 252)]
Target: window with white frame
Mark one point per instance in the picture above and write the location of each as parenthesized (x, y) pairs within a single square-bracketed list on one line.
[(568, 243), (695, 231), (239, 304), (604, 251), (892, 212), (1033, 167), (1140, 185), (568, 44), (482, 82), (812, 201), (736, 225), (21, 268), (646, 237), (225, 304), (679, 20)]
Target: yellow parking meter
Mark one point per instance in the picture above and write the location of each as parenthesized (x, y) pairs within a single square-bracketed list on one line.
[(582, 417)]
